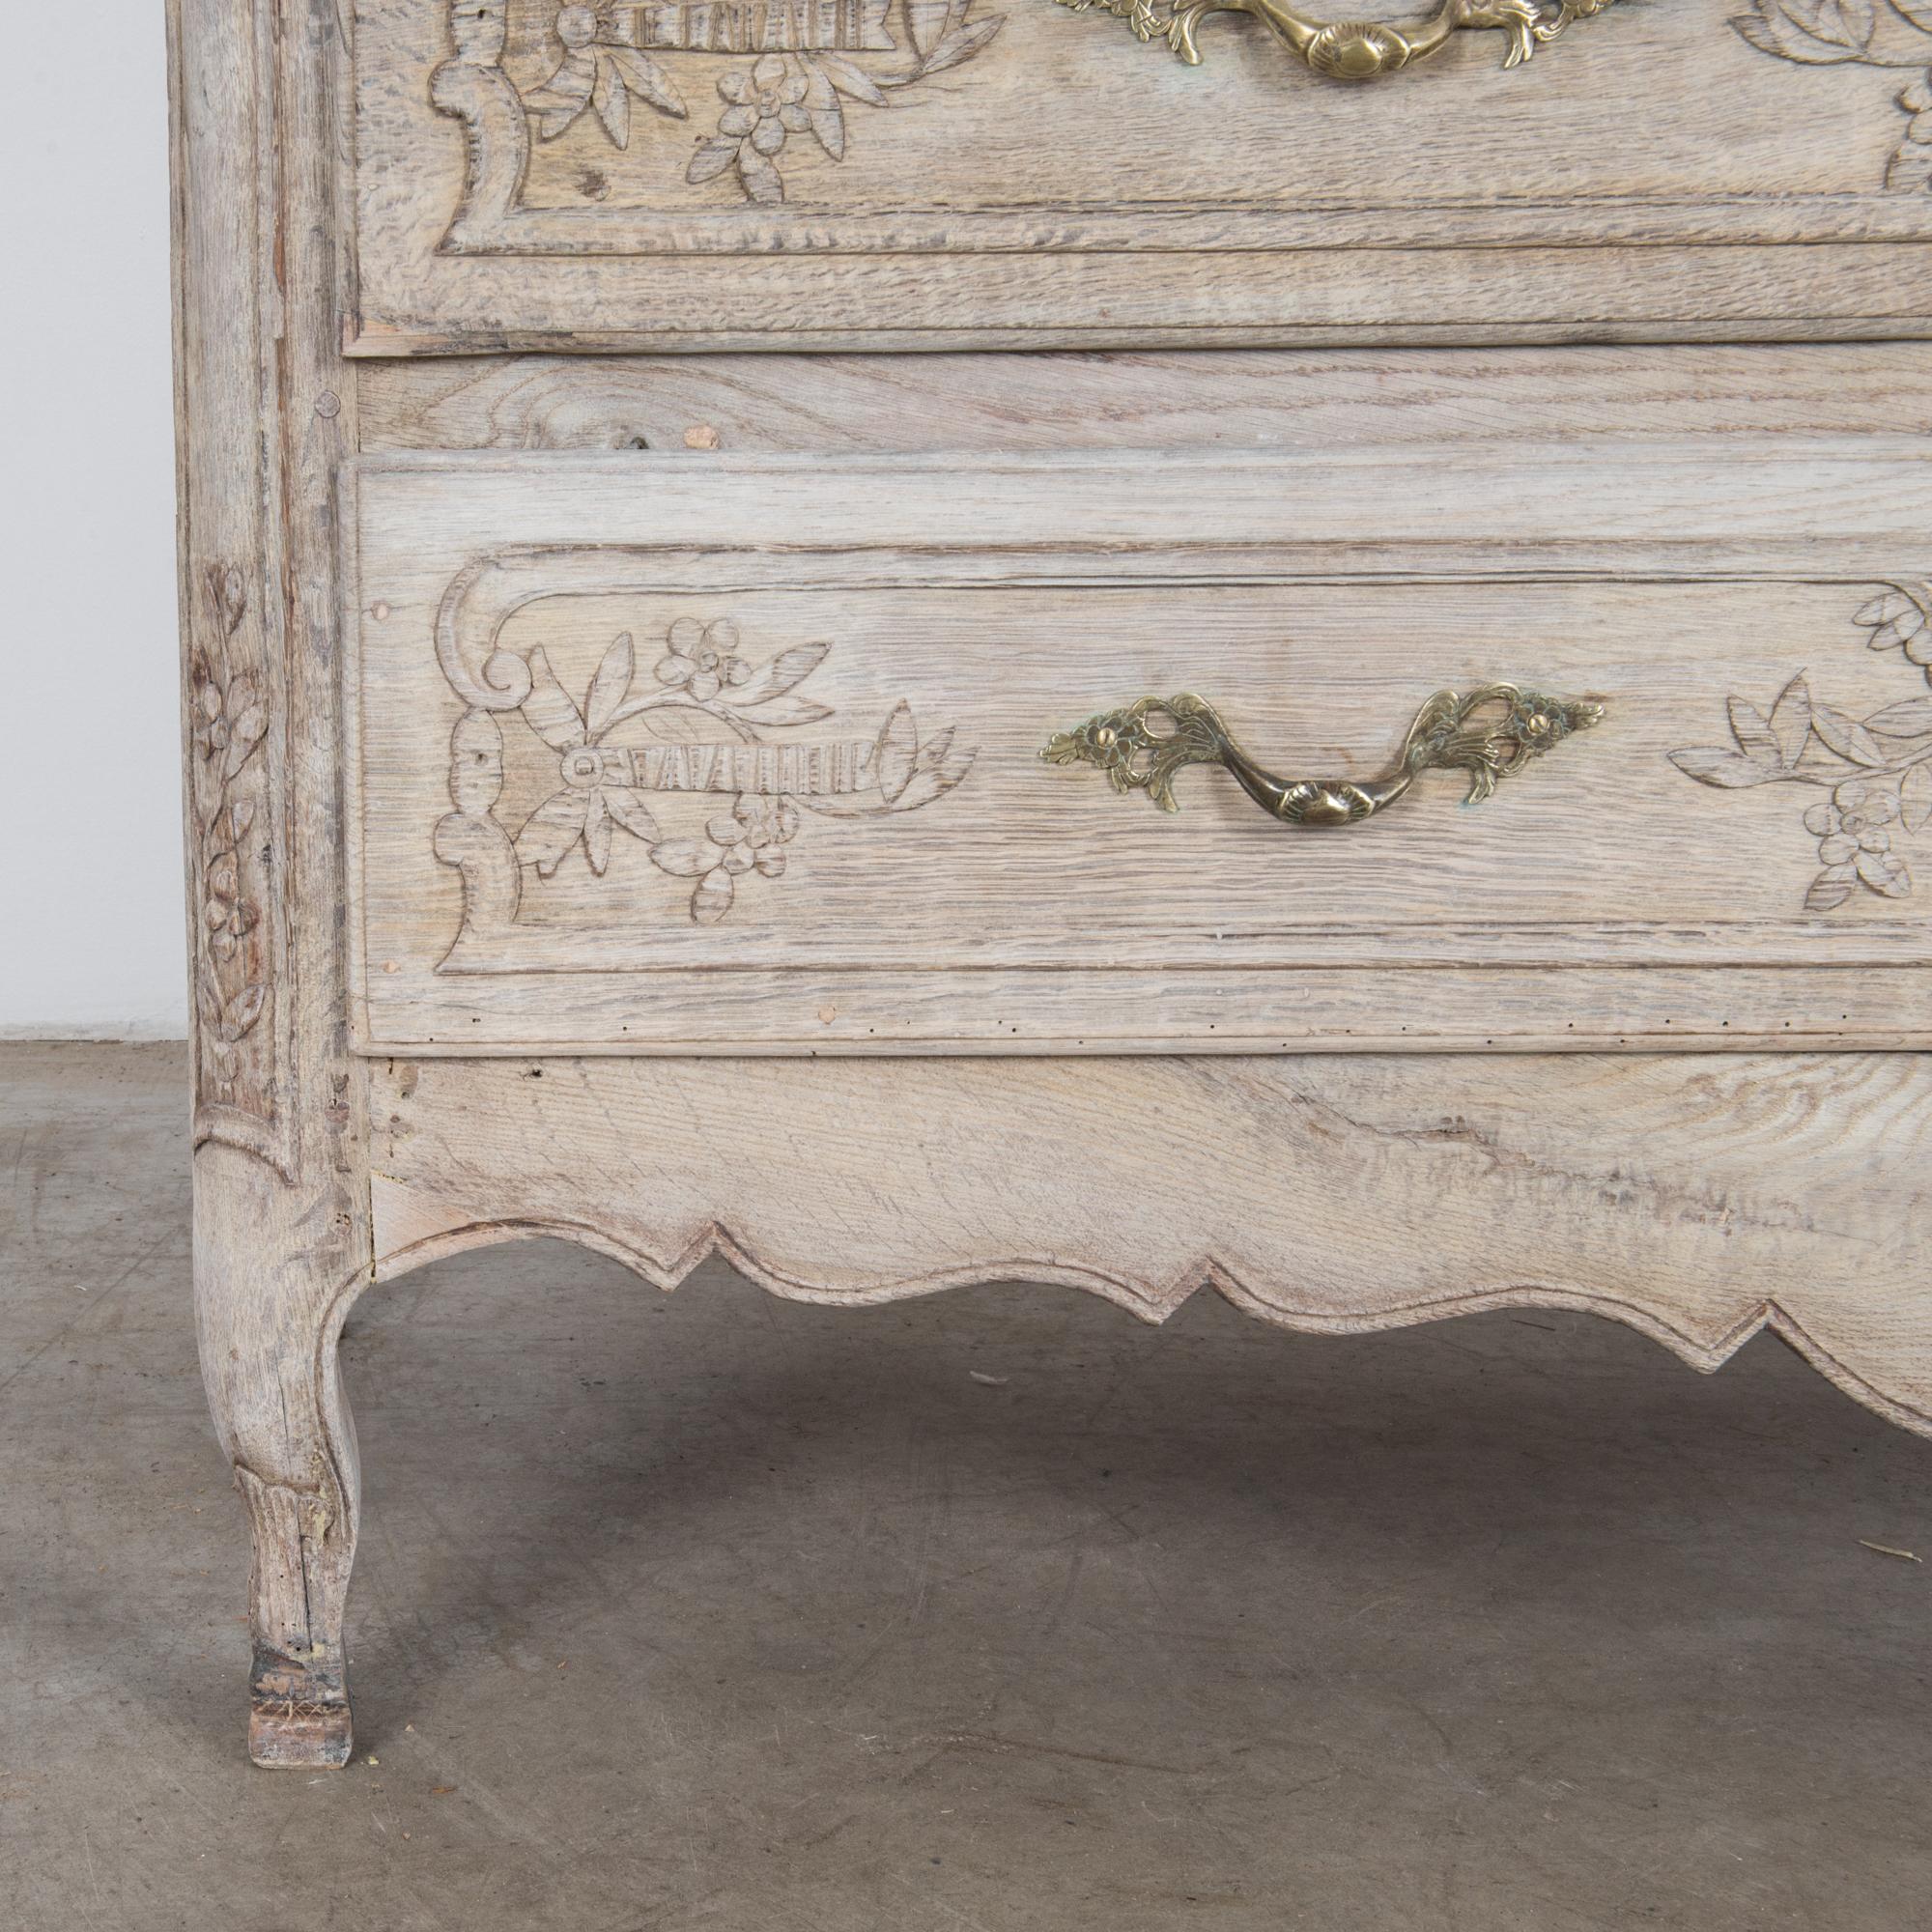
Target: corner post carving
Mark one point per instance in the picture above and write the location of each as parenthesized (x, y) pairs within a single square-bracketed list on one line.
[(280, 1179)]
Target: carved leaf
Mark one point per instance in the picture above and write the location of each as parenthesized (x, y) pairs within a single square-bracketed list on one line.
[(1791, 721), (1847, 736), (1830, 889), (785, 711), (626, 805), (1849, 22), (686, 857), (565, 96), (712, 158), (1752, 730), (933, 783), (1817, 32), (687, 724), (1716, 765), (550, 831), (1910, 169), (613, 101), (822, 105), (1901, 619), (1910, 719), (227, 597), (648, 80), (827, 122), (850, 79), (787, 668), (612, 684), (552, 711), (243, 1011), (1914, 798), (1885, 873), (962, 46), (249, 728), (1918, 12), (932, 753), (596, 831), (895, 752), (926, 23), (760, 179), (712, 899), (208, 1000)]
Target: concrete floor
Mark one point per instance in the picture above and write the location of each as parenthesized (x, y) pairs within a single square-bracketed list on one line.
[(711, 1612)]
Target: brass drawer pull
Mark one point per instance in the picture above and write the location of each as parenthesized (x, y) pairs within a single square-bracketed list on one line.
[(1355, 49), (1446, 733)]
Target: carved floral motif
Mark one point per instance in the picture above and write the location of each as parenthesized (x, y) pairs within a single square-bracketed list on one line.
[(230, 719), (1875, 772), (798, 79), (597, 71), (1873, 33), (611, 780)]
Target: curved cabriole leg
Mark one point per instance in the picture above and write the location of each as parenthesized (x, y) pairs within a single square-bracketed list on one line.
[(263, 1316)]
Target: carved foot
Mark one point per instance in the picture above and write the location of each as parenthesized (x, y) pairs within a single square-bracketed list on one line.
[(298, 1712), (297, 1691)]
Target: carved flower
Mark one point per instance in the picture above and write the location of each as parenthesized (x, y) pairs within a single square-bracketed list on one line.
[(753, 834), (761, 108), (596, 788), (703, 658), (748, 841), (765, 105), (1855, 821), (1855, 845), (599, 71)]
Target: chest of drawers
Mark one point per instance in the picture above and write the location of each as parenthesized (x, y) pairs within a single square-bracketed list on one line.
[(1354, 731)]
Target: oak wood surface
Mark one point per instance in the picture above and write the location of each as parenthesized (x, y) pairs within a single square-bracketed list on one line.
[(978, 176), (1697, 1198), (828, 405)]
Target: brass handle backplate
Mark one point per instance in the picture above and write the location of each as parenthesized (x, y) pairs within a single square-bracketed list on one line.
[(1491, 733), (1355, 50)]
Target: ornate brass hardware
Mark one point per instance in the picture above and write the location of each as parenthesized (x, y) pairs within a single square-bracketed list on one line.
[(1355, 49), (1446, 733)]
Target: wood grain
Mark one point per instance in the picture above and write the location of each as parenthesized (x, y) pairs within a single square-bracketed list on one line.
[(1226, 399), (1655, 176), (1698, 1199), (1601, 896)]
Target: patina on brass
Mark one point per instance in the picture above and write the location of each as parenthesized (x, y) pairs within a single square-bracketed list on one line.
[(1355, 50), (1447, 733)]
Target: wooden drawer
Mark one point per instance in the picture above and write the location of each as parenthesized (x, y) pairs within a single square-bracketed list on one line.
[(925, 173), (734, 755)]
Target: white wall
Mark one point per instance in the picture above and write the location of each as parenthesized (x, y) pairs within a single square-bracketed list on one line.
[(90, 921)]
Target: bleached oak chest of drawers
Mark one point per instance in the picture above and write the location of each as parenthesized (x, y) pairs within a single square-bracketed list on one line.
[(1257, 760)]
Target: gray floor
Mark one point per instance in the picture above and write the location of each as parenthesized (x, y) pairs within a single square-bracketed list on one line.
[(710, 1612)]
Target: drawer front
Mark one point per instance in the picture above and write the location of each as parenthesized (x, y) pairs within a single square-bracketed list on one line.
[(745, 754), (929, 173)]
